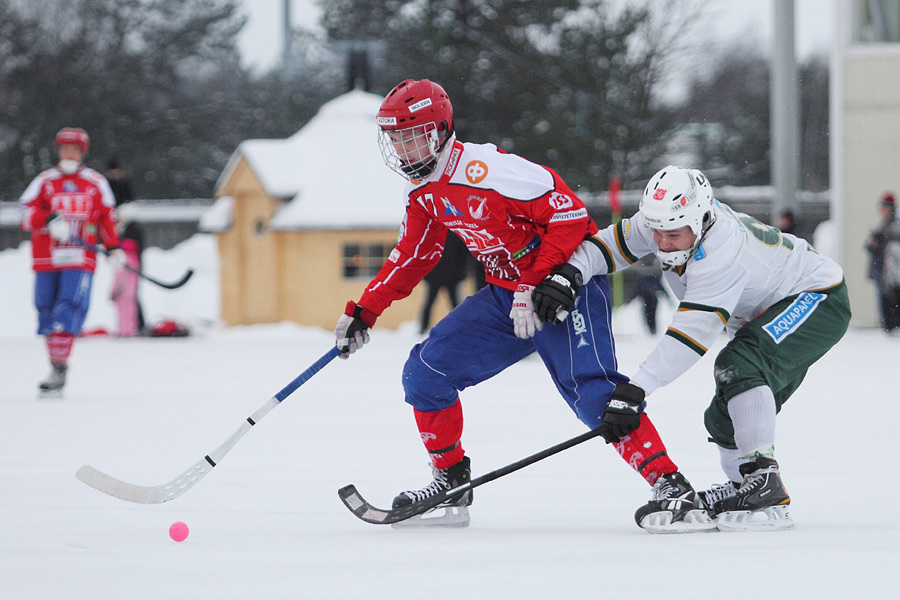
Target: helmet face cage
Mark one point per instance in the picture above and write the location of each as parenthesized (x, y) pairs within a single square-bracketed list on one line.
[(75, 136), (412, 152), (677, 197)]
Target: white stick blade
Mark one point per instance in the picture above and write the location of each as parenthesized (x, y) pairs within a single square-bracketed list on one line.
[(102, 482)]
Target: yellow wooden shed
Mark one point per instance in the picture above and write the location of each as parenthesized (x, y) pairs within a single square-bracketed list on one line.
[(304, 223)]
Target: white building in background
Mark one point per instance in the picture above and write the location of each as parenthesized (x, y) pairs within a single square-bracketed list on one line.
[(865, 134)]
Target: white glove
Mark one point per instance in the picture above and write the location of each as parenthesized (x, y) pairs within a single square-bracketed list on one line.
[(352, 330), (58, 228), (117, 258), (525, 321)]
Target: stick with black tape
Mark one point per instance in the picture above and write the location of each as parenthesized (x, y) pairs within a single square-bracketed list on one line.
[(169, 286), (378, 516)]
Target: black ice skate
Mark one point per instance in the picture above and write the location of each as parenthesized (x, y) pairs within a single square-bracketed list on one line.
[(453, 512), (54, 383), (761, 503), (673, 508), (708, 498)]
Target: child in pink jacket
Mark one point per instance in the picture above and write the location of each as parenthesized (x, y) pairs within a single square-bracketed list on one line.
[(124, 290)]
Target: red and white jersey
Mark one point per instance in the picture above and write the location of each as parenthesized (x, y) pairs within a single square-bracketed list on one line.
[(85, 200), (519, 219)]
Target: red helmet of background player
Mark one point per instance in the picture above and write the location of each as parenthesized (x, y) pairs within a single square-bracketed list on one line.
[(73, 135), (415, 122)]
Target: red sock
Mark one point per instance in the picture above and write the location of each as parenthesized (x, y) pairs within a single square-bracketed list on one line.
[(645, 452), (441, 432), (59, 346)]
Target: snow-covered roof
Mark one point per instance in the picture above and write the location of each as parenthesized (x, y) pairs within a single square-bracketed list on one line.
[(218, 217), (331, 170)]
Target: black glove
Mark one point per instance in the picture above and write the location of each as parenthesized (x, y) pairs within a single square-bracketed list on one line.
[(623, 412), (554, 297)]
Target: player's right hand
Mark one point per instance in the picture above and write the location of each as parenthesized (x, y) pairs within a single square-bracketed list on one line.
[(623, 412), (351, 332), (554, 297), (58, 228)]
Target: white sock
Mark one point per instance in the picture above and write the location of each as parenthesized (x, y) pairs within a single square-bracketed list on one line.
[(753, 416), (731, 463)]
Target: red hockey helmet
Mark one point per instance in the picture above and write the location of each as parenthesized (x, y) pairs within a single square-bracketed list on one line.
[(415, 122), (73, 135)]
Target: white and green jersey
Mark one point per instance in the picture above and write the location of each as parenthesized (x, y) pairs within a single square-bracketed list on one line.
[(741, 268)]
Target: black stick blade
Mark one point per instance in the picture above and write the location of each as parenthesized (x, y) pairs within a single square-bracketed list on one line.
[(169, 286), (377, 516)]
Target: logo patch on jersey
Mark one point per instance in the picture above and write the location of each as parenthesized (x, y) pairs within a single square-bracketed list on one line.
[(626, 228), (793, 316), (420, 105), (451, 164), (381, 121), (70, 186), (700, 254), (394, 255), (478, 208), (581, 213), (560, 201), (449, 209), (659, 194), (476, 171)]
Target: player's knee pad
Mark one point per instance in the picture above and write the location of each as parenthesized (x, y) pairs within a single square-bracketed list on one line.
[(426, 389), (718, 424)]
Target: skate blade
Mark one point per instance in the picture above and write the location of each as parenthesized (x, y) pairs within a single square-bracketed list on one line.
[(693, 521), (772, 518), (50, 394), (446, 516)]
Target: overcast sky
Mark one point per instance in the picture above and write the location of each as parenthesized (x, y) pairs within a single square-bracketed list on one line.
[(261, 40)]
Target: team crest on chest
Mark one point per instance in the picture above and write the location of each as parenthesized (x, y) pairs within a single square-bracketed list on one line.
[(70, 187), (478, 208)]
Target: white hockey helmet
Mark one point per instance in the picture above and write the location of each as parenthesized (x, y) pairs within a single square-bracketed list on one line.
[(677, 197)]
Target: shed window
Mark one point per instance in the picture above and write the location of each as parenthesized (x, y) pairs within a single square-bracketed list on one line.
[(364, 260), (876, 21)]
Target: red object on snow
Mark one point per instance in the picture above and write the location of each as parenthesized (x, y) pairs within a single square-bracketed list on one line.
[(614, 203)]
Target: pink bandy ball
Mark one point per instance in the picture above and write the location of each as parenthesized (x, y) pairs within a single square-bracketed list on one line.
[(178, 531)]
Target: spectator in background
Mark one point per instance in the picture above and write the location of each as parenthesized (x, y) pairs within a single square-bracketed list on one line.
[(447, 274), (129, 229), (119, 182), (648, 288), (876, 246), (124, 290), (787, 222)]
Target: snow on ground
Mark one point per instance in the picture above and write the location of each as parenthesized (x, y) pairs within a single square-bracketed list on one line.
[(267, 522)]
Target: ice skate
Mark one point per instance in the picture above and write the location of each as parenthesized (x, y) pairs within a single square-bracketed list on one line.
[(708, 498), (454, 512), (761, 504), (52, 386), (673, 508)]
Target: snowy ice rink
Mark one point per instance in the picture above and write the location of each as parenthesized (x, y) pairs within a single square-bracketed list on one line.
[(267, 522)]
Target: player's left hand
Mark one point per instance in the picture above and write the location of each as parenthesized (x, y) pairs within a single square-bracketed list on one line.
[(58, 228), (623, 412), (525, 322), (554, 297)]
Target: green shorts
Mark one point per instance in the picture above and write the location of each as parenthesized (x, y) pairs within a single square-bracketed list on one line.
[(776, 349)]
